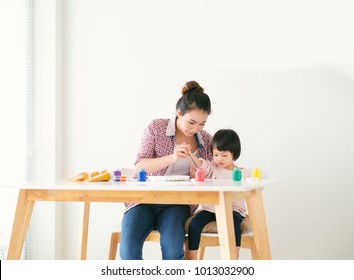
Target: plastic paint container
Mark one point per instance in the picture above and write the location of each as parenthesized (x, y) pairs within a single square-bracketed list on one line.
[(116, 175), (237, 175), (256, 173), (199, 175), (142, 175)]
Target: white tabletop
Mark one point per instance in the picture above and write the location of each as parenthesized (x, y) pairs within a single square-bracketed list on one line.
[(190, 185)]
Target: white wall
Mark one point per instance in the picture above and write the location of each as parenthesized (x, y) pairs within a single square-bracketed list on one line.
[(47, 140), (11, 110), (281, 74)]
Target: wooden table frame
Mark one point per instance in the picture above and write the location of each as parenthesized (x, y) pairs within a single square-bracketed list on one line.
[(222, 200)]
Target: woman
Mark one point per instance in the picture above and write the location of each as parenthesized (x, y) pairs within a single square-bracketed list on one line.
[(164, 151)]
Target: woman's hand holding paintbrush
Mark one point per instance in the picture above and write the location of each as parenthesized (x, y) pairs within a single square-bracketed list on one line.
[(194, 161), (180, 152), (183, 151)]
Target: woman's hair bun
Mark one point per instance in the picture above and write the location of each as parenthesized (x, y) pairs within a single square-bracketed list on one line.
[(192, 86)]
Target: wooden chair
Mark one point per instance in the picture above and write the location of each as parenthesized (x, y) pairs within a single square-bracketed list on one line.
[(206, 240)]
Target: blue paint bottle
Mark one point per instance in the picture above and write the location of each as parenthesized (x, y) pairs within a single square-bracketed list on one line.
[(142, 175)]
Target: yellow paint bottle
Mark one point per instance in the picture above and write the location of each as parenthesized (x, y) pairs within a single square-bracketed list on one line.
[(256, 173)]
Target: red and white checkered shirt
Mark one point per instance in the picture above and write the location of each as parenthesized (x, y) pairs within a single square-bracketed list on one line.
[(158, 141)]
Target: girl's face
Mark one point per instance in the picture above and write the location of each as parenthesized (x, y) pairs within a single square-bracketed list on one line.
[(192, 121), (223, 159)]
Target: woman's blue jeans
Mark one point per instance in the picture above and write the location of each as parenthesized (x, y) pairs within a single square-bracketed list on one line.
[(140, 220)]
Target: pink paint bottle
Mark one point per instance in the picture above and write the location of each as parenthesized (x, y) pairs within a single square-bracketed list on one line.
[(199, 175)]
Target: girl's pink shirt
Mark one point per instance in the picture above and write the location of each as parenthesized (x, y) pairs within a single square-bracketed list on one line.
[(212, 171)]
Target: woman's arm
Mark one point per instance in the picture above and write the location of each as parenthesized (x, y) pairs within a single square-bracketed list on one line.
[(154, 164)]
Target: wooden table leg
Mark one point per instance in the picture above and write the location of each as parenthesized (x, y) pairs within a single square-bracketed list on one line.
[(19, 230), (259, 226), (225, 224), (85, 212)]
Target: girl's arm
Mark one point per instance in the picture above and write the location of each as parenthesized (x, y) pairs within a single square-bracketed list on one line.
[(194, 161), (207, 166)]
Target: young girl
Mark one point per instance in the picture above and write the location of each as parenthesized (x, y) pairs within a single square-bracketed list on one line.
[(226, 149)]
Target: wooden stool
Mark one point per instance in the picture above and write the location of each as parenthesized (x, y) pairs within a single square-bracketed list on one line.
[(212, 240), (154, 236)]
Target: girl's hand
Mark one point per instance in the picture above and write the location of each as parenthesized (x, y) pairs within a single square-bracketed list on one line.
[(192, 172)]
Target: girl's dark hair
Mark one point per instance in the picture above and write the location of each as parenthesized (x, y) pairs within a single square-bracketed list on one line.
[(227, 140), (193, 97)]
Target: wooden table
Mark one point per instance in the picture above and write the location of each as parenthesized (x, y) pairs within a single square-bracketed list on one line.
[(221, 193)]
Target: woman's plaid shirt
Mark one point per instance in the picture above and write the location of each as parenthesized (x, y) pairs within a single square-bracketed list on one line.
[(158, 141)]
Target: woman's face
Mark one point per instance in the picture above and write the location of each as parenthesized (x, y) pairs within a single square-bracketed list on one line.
[(191, 122)]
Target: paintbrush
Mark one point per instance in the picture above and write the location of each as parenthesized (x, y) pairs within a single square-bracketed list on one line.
[(193, 160)]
